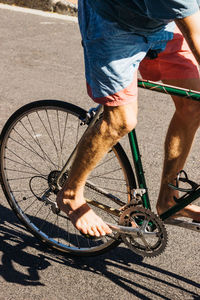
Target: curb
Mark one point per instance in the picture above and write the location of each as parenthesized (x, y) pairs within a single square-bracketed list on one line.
[(64, 7), (58, 6)]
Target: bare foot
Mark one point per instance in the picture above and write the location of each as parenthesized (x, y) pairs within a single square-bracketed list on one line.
[(81, 215), (190, 211)]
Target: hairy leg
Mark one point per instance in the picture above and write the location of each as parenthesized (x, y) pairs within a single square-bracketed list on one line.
[(98, 140), (180, 135)]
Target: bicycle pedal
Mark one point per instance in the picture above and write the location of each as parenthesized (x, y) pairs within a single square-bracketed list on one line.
[(191, 225), (196, 222), (184, 179)]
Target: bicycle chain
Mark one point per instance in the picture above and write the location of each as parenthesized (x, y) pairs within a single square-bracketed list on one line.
[(151, 240)]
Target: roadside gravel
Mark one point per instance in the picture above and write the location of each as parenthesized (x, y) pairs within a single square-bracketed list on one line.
[(58, 6)]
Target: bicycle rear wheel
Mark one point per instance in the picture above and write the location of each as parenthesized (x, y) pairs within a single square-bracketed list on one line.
[(35, 143)]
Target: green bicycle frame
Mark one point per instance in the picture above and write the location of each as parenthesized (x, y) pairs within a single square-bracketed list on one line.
[(167, 89)]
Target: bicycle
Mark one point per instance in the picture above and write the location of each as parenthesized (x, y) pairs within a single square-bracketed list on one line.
[(34, 141)]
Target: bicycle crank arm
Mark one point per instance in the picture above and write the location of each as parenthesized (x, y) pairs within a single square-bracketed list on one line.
[(184, 224), (130, 230)]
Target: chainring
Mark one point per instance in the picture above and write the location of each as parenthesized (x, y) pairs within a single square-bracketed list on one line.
[(151, 239)]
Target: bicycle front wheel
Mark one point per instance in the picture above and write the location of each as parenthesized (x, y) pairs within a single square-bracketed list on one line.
[(35, 143)]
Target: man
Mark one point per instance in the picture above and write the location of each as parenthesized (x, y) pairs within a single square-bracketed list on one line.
[(117, 35)]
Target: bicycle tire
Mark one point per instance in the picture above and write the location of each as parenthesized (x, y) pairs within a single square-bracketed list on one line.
[(33, 142)]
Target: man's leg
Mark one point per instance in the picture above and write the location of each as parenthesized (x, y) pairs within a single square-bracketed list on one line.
[(116, 122), (180, 135)]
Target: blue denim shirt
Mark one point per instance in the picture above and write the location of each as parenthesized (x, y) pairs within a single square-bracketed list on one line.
[(144, 16)]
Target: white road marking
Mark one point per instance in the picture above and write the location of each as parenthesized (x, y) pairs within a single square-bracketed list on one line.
[(38, 12), (46, 23)]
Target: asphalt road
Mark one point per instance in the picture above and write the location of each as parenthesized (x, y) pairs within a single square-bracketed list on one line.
[(41, 58)]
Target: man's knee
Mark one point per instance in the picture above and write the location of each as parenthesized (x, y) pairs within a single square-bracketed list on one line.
[(121, 120), (187, 110)]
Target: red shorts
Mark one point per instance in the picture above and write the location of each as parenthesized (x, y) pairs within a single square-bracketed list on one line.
[(175, 62)]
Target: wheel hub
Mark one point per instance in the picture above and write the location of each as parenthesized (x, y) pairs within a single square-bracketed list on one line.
[(52, 180)]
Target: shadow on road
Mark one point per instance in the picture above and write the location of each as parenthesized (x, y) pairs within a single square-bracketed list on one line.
[(17, 261)]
